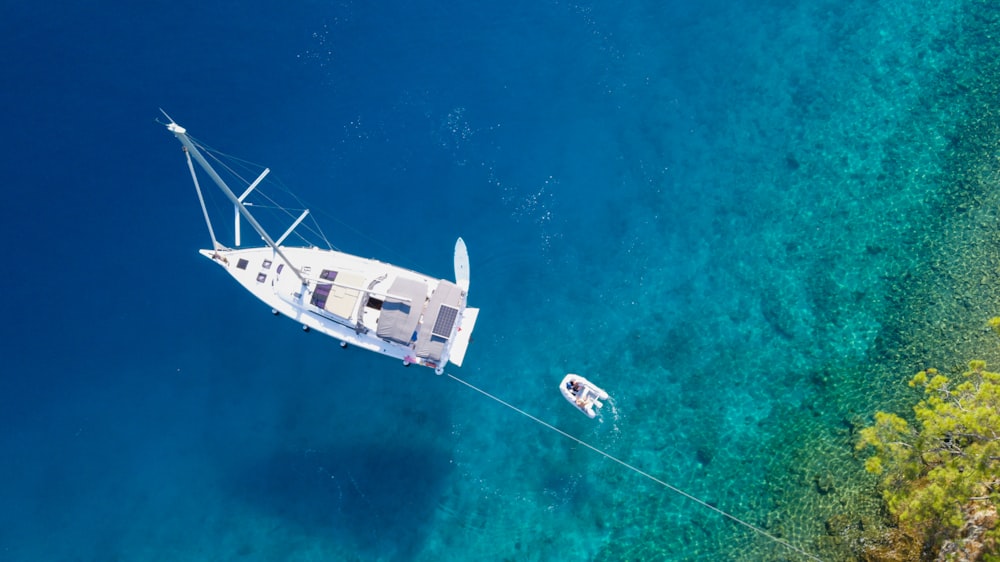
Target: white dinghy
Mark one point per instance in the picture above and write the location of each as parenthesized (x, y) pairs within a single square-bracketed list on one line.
[(582, 394), (416, 318)]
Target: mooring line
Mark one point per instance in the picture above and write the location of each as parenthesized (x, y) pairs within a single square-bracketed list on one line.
[(674, 489)]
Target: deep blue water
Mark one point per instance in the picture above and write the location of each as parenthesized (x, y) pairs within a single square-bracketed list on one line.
[(700, 207)]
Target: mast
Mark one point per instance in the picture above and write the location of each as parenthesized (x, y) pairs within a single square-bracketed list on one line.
[(201, 199), (181, 134)]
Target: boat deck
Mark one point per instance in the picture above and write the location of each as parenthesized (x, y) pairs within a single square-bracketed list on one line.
[(404, 313)]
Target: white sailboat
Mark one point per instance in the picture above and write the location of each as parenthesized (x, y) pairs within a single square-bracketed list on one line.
[(361, 302)]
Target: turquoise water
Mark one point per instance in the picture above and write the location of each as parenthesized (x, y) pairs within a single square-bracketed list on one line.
[(747, 222)]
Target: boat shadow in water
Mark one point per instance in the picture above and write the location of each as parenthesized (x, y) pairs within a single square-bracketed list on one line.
[(378, 497)]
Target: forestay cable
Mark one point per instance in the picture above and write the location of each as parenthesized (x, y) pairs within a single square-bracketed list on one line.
[(674, 489)]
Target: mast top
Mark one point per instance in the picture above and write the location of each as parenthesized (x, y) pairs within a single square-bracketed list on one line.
[(172, 126)]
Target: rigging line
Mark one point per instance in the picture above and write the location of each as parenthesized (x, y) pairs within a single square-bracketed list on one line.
[(401, 259), (275, 206), (216, 156), (676, 490), (246, 163), (317, 231), (250, 166)]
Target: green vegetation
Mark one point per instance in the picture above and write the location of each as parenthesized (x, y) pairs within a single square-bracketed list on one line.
[(941, 475)]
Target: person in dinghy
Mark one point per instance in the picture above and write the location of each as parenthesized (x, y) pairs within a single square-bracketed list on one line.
[(582, 394)]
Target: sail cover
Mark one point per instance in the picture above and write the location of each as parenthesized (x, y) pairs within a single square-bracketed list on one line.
[(401, 310)]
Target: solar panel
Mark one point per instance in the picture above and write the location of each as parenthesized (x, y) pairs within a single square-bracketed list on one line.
[(445, 321)]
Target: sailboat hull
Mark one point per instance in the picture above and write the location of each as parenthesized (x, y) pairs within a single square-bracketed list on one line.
[(362, 302), (347, 297)]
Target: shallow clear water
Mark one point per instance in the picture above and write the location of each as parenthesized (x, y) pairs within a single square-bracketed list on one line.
[(747, 222)]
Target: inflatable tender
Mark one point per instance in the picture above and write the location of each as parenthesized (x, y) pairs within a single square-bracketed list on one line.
[(582, 394)]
